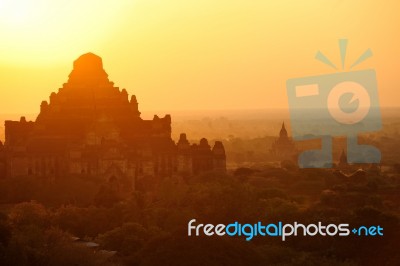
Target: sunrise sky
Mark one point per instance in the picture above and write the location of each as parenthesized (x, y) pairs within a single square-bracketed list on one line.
[(192, 55)]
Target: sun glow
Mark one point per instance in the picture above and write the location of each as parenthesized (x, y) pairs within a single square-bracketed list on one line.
[(44, 31), (208, 54)]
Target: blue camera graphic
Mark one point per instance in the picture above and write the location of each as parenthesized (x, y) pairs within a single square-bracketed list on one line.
[(339, 104)]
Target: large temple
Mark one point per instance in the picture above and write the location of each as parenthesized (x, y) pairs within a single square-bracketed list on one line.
[(91, 128)]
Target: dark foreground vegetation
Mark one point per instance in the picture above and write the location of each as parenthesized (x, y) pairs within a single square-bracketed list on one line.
[(39, 219)]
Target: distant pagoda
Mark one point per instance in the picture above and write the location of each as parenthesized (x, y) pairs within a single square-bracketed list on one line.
[(283, 148)]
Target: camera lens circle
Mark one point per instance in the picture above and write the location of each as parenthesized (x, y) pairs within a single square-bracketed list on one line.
[(358, 92)]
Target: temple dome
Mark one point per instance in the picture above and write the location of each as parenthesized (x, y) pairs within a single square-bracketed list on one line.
[(88, 61), (88, 66)]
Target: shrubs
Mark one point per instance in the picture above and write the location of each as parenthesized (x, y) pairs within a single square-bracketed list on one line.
[(150, 227), (32, 240), (128, 238), (71, 190)]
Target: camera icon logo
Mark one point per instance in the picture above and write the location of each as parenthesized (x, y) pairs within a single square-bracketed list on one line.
[(338, 104)]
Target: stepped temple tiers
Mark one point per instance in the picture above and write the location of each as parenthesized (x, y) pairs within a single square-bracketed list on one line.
[(92, 128)]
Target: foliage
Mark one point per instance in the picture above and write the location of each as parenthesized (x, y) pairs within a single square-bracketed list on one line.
[(149, 227)]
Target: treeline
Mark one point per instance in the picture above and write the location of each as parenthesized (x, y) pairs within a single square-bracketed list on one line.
[(149, 227)]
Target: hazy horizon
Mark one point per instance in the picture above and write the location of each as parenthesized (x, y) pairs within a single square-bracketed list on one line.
[(193, 55)]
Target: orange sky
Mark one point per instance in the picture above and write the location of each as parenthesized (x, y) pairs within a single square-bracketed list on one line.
[(188, 55)]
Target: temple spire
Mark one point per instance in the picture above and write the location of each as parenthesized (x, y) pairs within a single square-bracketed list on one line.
[(283, 133)]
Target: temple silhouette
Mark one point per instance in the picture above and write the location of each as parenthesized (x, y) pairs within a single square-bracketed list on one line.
[(284, 148), (91, 128)]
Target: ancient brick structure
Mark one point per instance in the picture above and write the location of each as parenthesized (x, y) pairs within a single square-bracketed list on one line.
[(90, 127)]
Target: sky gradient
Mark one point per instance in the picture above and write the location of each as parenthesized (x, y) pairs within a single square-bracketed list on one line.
[(192, 55)]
